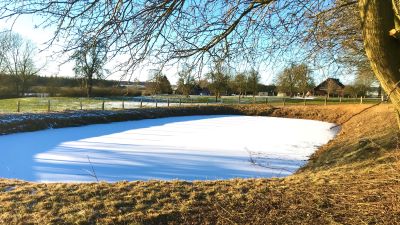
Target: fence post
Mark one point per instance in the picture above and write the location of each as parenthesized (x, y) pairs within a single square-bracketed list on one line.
[(18, 106), (361, 100), (207, 101), (180, 102), (141, 102), (156, 103), (48, 105), (80, 104), (239, 100), (266, 100), (305, 101), (102, 105), (326, 100), (284, 103), (167, 102), (123, 103), (340, 99)]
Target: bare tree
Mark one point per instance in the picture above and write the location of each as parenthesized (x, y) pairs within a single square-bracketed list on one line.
[(240, 83), (158, 83), (331, 87), (4, 46), (351, 91), (286, 82), (295, 79), (186, 81), (305, 81), (89, 62), (17, 60), (218, 80), (253, 80), (364, 82)]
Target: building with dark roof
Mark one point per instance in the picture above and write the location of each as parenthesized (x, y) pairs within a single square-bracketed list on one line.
[(330, 87)]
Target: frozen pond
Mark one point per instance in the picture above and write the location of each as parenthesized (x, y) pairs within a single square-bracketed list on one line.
[(185, 148)]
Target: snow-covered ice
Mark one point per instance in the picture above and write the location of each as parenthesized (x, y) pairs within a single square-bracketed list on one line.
[(185, 148)]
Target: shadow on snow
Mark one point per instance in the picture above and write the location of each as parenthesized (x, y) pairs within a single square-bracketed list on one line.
[(62, 155)]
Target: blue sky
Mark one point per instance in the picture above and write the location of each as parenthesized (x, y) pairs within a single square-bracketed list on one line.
[(25, 25)]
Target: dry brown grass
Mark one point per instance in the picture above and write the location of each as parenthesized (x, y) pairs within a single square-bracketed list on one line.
[(354, 179)]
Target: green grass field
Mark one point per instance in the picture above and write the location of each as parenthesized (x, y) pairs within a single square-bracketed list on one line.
[(42, 104), (35, 104), (271, 100)]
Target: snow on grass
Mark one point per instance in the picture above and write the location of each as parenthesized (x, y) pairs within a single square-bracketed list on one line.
[(186, 148)]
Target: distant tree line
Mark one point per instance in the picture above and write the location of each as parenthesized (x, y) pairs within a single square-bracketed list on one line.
[(20, 76), (219, 82), (298, 80), (63, 86)]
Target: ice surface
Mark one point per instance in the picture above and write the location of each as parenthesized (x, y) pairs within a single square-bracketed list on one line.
[(185, 148)]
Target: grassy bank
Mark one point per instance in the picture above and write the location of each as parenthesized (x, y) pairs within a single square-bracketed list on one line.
[(354, 179)]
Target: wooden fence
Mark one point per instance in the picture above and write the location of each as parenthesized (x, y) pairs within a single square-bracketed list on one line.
[(54, 104)]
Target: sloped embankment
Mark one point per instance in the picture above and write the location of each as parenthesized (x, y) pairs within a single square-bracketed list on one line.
[(354, 179)]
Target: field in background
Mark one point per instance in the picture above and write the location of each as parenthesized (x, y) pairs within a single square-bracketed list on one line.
[(35, 104)]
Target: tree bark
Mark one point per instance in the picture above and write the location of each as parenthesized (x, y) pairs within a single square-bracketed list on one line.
[(17, 88), (383, 51), (89, 86)]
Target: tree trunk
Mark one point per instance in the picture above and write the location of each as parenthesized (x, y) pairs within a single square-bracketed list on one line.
[(23, 87), (89, 86), (17, 88), (383, 51)]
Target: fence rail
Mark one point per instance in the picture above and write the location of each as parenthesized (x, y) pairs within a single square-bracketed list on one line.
[(64, 104)]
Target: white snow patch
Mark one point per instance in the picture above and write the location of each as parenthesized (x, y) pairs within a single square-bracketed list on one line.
[(186, 148)]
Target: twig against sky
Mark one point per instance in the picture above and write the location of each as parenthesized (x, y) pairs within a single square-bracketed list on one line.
[(196, 32)]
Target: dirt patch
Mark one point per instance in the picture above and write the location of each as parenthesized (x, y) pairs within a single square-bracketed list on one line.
[(354, 179)]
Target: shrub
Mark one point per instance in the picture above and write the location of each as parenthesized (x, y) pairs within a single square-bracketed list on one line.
[(6, 92), (98, 92)]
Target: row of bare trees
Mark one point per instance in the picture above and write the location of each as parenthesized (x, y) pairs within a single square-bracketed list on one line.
[(297, 79), (219, 81), (17, 60)]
